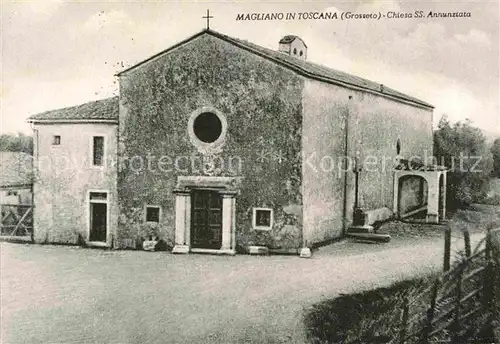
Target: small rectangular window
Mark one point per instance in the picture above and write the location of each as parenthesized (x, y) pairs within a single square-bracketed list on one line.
[(56, 140), (98, 151), (152, 214), (262, 218)]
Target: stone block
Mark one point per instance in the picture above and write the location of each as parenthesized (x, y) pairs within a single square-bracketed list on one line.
[(360, 229), (180, 249), (378, 215), (305, 252), (372, 237), (258, 250), (149, 245), (432, 218)]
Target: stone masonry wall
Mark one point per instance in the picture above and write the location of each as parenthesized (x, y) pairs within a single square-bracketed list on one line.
[(374, 125), (63, 178), (262, 105)]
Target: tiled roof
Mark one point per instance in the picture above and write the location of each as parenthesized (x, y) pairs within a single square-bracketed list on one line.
[(16, 169), (104, 109), (288, 39), (325, 73), (306, 68)]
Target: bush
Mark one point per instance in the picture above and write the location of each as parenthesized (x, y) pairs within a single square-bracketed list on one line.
[(16, 143), (493, 200), (372, 316), (495, 151), (462, 148)]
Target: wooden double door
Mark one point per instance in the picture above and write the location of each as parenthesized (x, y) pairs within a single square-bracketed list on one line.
[(206, 219)]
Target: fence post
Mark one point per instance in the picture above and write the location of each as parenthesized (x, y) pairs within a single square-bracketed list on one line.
[(404, 321), (431, 310), (468, 250), (487, 244), (447, 248), (458, 313), (489, 280), (487, 272)]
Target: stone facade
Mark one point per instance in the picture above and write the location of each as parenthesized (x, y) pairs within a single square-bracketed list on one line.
[(288, 144), (379, 124), (262, 107), (64, 176), (325, 114), (340, 122)]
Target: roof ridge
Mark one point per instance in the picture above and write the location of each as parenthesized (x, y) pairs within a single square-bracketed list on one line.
[(319, 72), (287, 59), (105, 110)]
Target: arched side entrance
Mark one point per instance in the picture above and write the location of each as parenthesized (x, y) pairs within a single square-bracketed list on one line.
[(412, 195), (420, 190)]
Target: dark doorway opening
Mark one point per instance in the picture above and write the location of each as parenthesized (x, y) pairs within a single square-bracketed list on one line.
[(98, 221), (206, 219)]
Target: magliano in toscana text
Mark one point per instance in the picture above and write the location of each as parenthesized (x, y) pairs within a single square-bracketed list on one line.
[(287, 16)]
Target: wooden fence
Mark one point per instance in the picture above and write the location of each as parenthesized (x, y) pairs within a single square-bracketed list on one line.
[(461, 303), (16, 221)]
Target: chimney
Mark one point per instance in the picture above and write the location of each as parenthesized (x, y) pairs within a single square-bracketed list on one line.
[(293, 46)]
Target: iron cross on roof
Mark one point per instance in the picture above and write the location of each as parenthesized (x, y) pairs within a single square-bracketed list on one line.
[(208, 16)]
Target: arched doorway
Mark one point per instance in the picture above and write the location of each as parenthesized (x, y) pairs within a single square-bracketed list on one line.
[(412, 196), (419, 191)]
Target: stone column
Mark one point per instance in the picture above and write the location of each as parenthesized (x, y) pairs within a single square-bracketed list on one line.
[(187, 222), (233, 223), (443, 214), (395, 195), (182, 205), (433, 198), (228, 202)]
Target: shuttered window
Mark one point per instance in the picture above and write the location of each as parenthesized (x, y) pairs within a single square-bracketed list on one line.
[(98, 151)]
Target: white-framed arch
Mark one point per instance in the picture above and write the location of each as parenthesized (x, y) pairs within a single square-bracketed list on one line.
[(435, 177)]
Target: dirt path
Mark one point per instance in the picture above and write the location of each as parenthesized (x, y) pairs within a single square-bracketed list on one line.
[(69, 295)]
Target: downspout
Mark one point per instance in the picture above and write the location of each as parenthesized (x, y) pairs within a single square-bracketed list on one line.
[(34, 175), (346, 166), (115, 231)]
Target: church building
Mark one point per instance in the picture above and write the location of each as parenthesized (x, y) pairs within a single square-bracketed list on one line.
[(220, 145)]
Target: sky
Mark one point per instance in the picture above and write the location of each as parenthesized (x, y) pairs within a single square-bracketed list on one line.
[(57, 53)]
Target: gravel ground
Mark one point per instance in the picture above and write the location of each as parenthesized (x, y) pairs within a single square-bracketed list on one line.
[(475, 220), (53, 294)]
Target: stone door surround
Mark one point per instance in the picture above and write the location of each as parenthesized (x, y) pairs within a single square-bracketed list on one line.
[(228, 188)]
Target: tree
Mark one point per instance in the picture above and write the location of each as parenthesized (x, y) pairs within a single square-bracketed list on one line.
[(16, 143), (495, 151), (462, 148)]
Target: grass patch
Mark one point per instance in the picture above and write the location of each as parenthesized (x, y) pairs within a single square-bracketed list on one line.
[(405, 230), (370, 317), (374, 316)]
